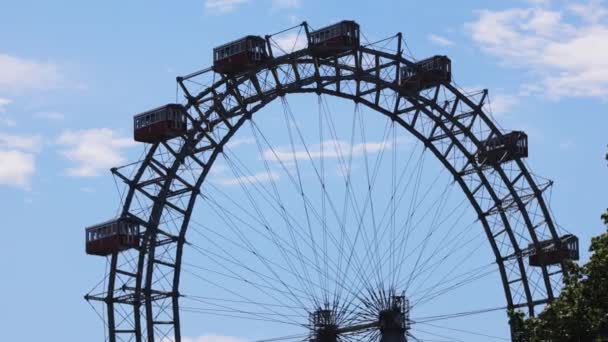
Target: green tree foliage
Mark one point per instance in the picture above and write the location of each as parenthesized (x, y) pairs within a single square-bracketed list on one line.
[(580, 313)]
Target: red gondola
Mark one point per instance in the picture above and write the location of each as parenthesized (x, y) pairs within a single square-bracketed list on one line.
[(240, 55), (160, 124), (499, 150), (427, 73), (112, 237), (334, 39), (551, 253)]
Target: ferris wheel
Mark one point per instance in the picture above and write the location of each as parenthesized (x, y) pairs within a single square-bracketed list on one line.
[(335, 191)]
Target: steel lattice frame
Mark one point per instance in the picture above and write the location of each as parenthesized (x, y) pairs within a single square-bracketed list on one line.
[(142, 297)]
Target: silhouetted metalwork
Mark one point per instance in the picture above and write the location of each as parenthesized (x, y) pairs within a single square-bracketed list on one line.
[(418, 96), (323, 326), (394, 320)]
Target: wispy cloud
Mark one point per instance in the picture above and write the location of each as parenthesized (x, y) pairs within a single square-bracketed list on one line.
[(233, 143), (592, 12), (440, 40), (290, 42), (540, 2), (564, 49), (3, 104), (53, 116), (30, 143), (503, 104), (16, 168), (19, 74), (329, 149), (223, 6), (93, 150), (17, 159), (6, 121), (286, 4)]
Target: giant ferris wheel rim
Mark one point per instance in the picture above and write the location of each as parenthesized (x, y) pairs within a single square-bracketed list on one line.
[(143, 293)]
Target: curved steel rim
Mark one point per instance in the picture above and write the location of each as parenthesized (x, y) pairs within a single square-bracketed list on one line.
[(449, 125)]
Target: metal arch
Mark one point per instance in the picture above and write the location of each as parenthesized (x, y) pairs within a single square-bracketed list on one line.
[(191, 202), (199, 133), (110, 299), (520, 204), (514, 194)]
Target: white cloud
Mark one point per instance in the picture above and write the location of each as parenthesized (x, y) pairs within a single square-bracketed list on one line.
[(6, 121), (540, 2), (17, 159), (233, 143), (439, 40), (564, 57), (591, 12), (290, 42), (53, 116), (29, 143), (331, 149), (3, 104), (17, 74), (93, 150), (16, 168), (286, 4), (502, 104), (260, 177), (223, 6)]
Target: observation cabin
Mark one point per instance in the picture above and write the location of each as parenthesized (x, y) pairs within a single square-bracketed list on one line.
[(499, 150), (426, 74), (240, 55), (160, 124), (552, 253), (112, 237), (334, 39)]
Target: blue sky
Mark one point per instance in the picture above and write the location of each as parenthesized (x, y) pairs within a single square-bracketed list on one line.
[(73, 73)]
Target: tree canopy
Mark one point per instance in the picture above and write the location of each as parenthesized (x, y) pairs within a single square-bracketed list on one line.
[(580, 313)]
